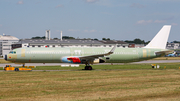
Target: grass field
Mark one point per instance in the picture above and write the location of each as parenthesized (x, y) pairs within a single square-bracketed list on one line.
[(111, 67), (108, 85), (113, 83), (104, 83)]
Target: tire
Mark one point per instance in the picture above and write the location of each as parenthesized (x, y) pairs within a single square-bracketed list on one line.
[(16, 69), (89, 68), (86, 67)]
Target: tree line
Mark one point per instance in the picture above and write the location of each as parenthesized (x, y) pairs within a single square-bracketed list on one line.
[(135, 41)]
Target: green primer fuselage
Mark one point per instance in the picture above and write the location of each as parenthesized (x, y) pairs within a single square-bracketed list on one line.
[(55, 55)]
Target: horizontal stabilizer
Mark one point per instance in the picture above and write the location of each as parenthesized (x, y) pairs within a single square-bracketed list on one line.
[(164, 52)]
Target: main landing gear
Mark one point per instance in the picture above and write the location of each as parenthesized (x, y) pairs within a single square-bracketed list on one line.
[(88, 67)]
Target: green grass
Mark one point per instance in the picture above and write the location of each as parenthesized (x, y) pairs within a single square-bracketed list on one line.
[(111, 83), (105, 85), (107, 67), (110, 67)]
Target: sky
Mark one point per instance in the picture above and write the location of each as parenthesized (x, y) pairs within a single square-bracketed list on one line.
[(114, 19)]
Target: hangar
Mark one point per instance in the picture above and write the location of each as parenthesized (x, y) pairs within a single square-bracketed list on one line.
[(67, 43), (5, 43)]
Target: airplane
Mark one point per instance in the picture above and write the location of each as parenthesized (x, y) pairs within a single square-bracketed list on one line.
[(92, 55)]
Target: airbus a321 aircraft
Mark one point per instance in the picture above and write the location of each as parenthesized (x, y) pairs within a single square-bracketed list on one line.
[(93, 55)]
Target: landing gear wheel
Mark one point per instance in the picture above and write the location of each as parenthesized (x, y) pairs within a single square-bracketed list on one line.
[(88, 68), (16, 69), (23, 65)]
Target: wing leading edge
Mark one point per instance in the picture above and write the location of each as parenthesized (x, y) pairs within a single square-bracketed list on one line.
[(92, 58)]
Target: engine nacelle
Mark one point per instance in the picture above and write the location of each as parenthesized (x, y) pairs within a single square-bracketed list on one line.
[(96, 61)]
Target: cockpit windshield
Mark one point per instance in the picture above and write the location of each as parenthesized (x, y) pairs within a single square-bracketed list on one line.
[(12, 52)]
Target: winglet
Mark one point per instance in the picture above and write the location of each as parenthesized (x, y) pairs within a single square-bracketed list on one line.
[(161, 38), (112, 50)]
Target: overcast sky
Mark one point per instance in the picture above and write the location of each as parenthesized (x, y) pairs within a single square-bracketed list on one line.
[(114, 19)]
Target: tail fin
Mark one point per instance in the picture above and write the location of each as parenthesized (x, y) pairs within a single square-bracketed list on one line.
[(161, 38)]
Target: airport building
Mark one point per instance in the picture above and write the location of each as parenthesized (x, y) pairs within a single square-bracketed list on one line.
[(48, 42), (173, 46), (67, 43), (5, 43), (132, 45)]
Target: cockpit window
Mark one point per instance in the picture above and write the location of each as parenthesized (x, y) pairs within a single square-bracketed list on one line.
[(12, 52)]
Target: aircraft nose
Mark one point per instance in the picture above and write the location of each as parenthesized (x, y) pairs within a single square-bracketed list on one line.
[(5, 57)]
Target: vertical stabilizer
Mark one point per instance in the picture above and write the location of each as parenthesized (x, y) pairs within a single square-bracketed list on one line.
[(161, 38)]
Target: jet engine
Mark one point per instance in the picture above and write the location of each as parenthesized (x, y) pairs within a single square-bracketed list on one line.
[(96, 61)]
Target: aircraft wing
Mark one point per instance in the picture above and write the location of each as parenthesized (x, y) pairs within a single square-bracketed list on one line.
[(92, 57)]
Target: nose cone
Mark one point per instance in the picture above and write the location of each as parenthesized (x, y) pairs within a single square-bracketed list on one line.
[(5, 57)]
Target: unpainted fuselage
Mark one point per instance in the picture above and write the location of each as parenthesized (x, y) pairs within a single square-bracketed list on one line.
[(55, 55)]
